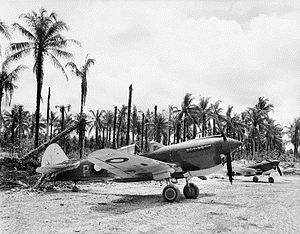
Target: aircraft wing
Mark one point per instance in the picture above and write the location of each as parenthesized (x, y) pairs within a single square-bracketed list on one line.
[(130, 166), (60, 167)]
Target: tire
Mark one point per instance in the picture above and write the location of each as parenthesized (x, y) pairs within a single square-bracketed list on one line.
[(75, 189), (271, 180), (191, 191), (255, 179), (171, 193)]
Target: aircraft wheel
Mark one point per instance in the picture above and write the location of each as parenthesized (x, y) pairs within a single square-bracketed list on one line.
[(255, 179), (271, 180), (171, 193), (75, 189), (191, 191)]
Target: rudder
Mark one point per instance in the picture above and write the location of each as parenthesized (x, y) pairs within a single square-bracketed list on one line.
[(53, 155)]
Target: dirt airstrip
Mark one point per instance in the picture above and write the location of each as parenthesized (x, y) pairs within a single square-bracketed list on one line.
[(243, 207)]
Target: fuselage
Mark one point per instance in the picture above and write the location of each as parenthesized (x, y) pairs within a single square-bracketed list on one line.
[(197, 157), (264, 166)]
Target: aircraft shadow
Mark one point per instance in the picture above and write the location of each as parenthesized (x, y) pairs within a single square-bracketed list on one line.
[(261, 182), (128, 203)]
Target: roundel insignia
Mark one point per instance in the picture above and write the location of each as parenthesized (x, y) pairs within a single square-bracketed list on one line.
[(116, 160)]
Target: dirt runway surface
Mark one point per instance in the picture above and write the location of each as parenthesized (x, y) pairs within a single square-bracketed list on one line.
[(243, 207)]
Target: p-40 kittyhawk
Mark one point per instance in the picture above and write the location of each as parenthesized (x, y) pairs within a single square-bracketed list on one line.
[(193, 158), (261, 168)]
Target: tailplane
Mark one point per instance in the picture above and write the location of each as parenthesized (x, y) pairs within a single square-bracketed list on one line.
[(53, 155)]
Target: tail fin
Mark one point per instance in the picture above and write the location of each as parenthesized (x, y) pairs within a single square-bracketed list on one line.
[(53, 155), (153, 146)]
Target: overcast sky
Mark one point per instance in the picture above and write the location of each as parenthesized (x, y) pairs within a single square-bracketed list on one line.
[(234, 51)]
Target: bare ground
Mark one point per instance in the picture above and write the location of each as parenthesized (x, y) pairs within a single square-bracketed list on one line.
[(244, 207)]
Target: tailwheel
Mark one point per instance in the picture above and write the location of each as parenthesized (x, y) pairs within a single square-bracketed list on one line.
[(75, 188), (191, 191), (171, 193), (271, 180), (255, 179)]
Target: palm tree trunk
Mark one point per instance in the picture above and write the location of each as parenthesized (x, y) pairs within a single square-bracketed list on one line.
[(48, 113), (1, 96), (184, 127), (39, 80), (114, 128), (96, 138), (106, 140), (142, 137), (109, 136), (194, 129), (146, 136), (37, 116), (178, 126), (296, 142), (128, 115), (203, 126), (20, 125), (103, 137)]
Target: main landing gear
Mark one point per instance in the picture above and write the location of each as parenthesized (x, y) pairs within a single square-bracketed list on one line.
[(171, 193), (270, 179)]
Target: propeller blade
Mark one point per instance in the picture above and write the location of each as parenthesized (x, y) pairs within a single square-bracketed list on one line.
[(229, 167), (279, 171)]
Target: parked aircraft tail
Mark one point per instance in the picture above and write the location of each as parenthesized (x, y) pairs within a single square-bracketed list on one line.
[(53, 155)]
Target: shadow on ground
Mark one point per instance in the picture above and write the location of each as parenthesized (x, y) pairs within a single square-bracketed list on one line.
[(128, 203)]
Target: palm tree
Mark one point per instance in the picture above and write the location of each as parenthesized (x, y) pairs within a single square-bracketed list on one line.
[(187, 110), (108, 119), (121, 124), (23, 122), (264, 106), (4, 29), (96, 125), (7, 80), (273, 136), (216, 115), (159, 128), (44, 41), (53, 122), (10, 121), (134, 122), (204, 112), (293, 133), (82, 73)]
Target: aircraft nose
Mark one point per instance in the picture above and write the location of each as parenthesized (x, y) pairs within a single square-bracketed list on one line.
[(230, 145)]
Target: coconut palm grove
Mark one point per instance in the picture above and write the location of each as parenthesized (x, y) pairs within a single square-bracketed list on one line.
[(24, 133)]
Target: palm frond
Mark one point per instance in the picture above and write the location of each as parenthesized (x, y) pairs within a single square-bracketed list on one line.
[(58, 64), (74, 41), (24, 31), (4, 29), (55, 28), (87, 65), (18, 55), (74, 68), (61, 53), (15, 73)]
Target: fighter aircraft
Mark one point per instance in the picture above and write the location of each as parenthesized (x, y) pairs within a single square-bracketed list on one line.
[(262, 168), (193, 158), (56, 166)]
